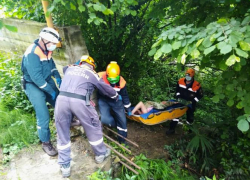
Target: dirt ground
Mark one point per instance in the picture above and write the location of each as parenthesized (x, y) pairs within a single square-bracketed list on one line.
[(33, 164), (151, 139)]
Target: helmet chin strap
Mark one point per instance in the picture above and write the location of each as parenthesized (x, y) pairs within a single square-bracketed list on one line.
[(45, 44), (45, 51)]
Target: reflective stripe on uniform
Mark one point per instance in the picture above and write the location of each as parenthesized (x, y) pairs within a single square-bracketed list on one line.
[(176, 120), (38, 127), (94, 143), (190, 89), (196, 99), (117, 89), (62, 147), (44, 59), (113, 97), (128, 105), (54, 70), (182, 86), (125, 130), (43, 86)]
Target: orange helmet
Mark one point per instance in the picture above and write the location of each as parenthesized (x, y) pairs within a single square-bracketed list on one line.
[(191, 72), (88, 59)]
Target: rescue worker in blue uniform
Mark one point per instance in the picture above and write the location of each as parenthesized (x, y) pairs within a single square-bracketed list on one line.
[(113, 112), (189, 90), (38, 68), (78, 84)]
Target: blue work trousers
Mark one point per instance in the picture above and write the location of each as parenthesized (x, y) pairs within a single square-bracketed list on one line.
[(38, 99), (113, 114)]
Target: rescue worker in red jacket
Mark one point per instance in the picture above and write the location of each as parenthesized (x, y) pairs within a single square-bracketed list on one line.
[(113, 112), (190, 90)]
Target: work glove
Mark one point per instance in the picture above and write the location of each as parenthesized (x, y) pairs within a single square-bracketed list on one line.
[(58, 81), (129, 110), (119, 97), (53, 95)]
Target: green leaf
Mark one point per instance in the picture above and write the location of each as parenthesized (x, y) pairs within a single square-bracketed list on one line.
[(11, 28), (234, 39), (218, 34), (92, 15), (152, 52), (247, 109), (232, 59), (72, 6), (207, 43), (157, 54), (130, 1), (209, 50), (228, 31), (127, 11), (171, 36), (81, 8), (243, 125), (220, 45), (244, 45), (226, 49), (221, 38), (195, 53), (166, 48), (176, 45), (222, 21), (50, 9), (246, 20), (230, 102), (239, 105), (157, 43), (199, 42), (97, 7), (212, 38), (243, 62), (237, 67), (241, 53), (216, 99), (97, 22), (133, 13)]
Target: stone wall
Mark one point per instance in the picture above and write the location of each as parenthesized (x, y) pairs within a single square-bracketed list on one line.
[(73, 44)]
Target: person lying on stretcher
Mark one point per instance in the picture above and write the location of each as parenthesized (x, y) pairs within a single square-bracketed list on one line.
[(142, 108)]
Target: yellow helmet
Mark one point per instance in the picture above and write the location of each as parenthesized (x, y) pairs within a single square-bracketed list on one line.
[(88, 59), (113, 72)]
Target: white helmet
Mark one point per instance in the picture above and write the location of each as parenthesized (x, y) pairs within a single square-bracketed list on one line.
[(50, 34)]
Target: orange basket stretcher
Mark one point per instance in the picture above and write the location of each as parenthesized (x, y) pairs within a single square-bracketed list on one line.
[(155, 116)]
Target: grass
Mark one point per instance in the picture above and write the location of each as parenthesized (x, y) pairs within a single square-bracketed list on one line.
[(17, 130)]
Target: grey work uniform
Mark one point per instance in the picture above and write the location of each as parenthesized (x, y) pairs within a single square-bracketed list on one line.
[(79, 82)]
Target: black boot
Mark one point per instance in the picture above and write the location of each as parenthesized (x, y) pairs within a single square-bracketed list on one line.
[(172, 126), (170, 131)]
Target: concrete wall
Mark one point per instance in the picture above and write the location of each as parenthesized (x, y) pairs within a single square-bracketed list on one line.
[(73, 44)]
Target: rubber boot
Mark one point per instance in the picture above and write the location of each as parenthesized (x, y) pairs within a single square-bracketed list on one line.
[(49, 149)]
